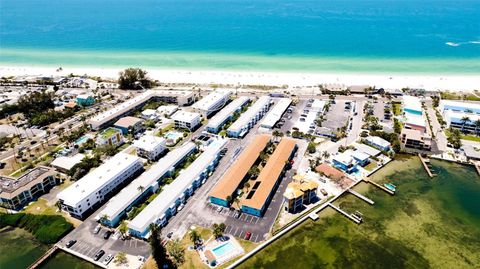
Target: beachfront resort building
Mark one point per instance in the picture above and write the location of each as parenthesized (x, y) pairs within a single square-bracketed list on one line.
[(129, 124), (111, 137), (18, 192), (461, 115), (258, 197), (378, 142), (176, 193), (150, 147), (104, 119), (227, 188), (86, 99), (186, 120), (212, 103), (84, 195), (248, 119), (143, 186), (300, 192), (276, 113), (216, 123)]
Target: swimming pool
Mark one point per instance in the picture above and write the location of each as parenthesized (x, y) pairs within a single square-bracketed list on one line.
[(172, 135), (82, 140), (223, 249)]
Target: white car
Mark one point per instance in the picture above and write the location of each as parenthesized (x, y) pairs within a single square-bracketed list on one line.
[(108, 259), (180, 207)]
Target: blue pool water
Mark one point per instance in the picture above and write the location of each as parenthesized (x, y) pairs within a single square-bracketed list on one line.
[(223, 249), (172, 135), (303, 35), (82, 140)]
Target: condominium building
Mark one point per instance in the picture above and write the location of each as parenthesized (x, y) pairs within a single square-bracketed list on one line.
[(212, 103), (276, 113), (257, 199), (176, 193), (216, 123), (186, 120), (248, 119), (150, 147), (84, 195), (166, 111), (300, 192), (466, 121), (416, 139), (378, 143), (412, 105), (459, 106), (17, 192), (129, 124), (110, 136), (236, 174), (85, 99), (179, 97), (146, 184)]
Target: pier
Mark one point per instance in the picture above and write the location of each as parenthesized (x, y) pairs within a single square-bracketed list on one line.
[(361, 196), (380, 187), (354, 219), (426, 163), (477, 166), (43, 258)]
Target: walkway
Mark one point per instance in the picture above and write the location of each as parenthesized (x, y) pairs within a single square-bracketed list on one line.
[(425, 163), (44, 257), (357, 221), (361, 196)]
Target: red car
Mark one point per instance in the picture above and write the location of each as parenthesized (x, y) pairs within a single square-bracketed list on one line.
[(248, 235)]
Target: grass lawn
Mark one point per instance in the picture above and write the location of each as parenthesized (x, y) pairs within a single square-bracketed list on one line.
[(370, 166), (455, 96), (471, 138)]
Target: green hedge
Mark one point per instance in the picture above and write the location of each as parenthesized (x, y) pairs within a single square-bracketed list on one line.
[(47, 229)]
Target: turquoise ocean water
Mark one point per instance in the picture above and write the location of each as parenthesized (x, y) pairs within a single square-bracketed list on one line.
[(408, 36)]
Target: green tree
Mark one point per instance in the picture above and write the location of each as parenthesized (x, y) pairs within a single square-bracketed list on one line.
[(218, 229), (477, 126), (194, 237), (464, 121), (176, 251), (132, 78), (311, 148), (121, 259), (123, 229), (159, 253)]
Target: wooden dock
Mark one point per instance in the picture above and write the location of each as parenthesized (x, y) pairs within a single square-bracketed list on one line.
[(361, 196), (43, 258), (425, 163), (357, 221), (380, 187)]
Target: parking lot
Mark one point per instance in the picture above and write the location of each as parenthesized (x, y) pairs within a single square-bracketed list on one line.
[(88, 243), (337, 115)]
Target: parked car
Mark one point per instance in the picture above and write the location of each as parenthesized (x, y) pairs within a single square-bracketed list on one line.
[(108, 259), (237, 215), (97, 229), (169, 235), (219, 209), (98, 255), (107, 234), (180, 207), (248, 235), (70, 243)]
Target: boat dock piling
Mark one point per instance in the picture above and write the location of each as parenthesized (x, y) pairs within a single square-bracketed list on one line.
[(361, 196), (426, 163), (356, 220), (380, 187), (43, 258)]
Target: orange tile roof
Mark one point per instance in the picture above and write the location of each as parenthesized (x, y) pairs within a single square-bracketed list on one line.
[(235, 174), (126, 122), (329, 171), (270, 173)]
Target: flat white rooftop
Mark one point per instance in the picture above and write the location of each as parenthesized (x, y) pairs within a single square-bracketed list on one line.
[(412, 103), (176, 189), (129, 194), (185, 116), (276, 113), (149, 142), (98, 178), (226, 112), (246, 117), (417, 120), (67, 163), (212, 99)]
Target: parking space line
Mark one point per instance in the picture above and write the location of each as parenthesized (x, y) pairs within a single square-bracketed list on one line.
[(247, 218), (256, 237), (241, 234), (256, 220), (236, 231)]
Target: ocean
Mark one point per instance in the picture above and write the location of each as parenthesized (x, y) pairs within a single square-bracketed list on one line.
[(354, 36)]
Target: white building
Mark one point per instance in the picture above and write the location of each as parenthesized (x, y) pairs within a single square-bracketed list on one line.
[(461, 115), (145, 184), (186, 120), (412, 105), (150, 147), (165, 204), (178, 97), (248, 119), (212, 102), (65, 164), (150, 114), (378, 143), (220, 119), (86, 194), (276, 113), (166, 111)]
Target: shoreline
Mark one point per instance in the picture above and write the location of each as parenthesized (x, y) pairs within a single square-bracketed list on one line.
[(454, 82)]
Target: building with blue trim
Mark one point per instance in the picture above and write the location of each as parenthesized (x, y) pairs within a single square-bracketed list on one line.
[(216, 123)]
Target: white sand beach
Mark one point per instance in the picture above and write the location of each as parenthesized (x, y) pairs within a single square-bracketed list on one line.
[(292, 79)]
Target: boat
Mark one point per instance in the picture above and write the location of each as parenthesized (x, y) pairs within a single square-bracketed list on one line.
[(390, 186)]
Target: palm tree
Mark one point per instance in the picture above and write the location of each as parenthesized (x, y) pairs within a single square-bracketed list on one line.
[(477, 126), (464, 121), (103, 218), (247, 185), (140, 188), (123, 228), (325, 155), (194, 237)]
